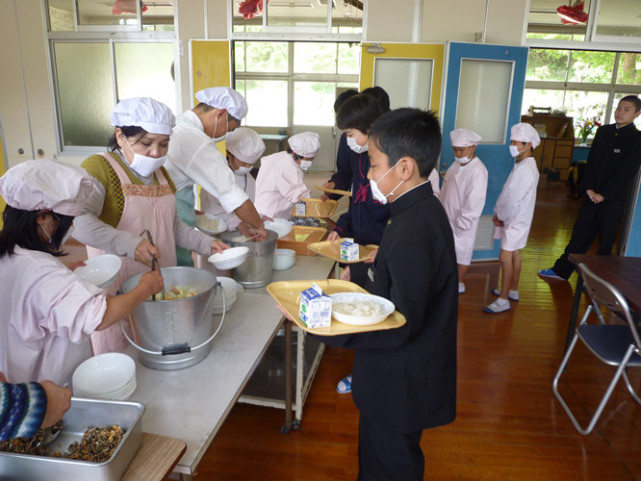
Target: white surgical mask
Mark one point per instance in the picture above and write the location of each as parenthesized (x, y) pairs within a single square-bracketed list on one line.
[(352, 144), (144, 165), (376, 192), (514, 151), (224, 136), (65, 238), (305, 165), (462, 160), (242, 170)]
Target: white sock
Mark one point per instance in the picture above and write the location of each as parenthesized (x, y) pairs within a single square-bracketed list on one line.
[(502, 302)]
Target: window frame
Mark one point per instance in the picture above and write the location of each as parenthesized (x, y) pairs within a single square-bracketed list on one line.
[(111, 36), (294, 33), (291, 77), (612, 88), (592, 41)]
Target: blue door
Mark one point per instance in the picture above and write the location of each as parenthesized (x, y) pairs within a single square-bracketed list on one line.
[(484, 92)]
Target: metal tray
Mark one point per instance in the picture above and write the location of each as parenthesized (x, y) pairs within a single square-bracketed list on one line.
[(82, 414), (287, 295)]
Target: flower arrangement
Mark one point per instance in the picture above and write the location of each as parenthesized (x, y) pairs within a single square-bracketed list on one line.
[(586, 126)]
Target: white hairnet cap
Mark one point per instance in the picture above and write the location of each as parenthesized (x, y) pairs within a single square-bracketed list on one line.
[(305, 144), (224, 98), (464, 138), (47, 185), (153, 116), (245, 144), (525, 132)]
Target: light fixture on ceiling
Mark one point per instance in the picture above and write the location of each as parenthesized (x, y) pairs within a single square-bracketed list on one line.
[(572, 13)]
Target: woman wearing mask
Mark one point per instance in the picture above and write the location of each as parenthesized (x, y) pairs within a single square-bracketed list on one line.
[(280, 183), (137, 195), (48, 311)]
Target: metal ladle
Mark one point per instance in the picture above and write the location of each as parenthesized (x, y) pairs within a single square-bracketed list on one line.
[(154, 261)]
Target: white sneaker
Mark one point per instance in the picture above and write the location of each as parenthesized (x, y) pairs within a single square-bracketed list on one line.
[(461, 288), (500, 305), (512, 295)]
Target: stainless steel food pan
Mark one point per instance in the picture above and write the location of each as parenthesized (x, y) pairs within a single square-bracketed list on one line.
[(83, 414)]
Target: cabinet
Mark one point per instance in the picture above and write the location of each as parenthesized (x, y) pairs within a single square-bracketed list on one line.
[(557, 142)]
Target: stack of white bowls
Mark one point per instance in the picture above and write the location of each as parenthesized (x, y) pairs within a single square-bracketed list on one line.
[(231, 289), (106, 376)]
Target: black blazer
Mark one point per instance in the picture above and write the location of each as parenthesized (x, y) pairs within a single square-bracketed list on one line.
[(406, 377), (613, 161)]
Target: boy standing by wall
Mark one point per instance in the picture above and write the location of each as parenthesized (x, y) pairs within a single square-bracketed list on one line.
[(613, 162)]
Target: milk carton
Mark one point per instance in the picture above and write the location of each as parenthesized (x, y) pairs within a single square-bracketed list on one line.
[(300, 208), (349, 250), (315, 308)]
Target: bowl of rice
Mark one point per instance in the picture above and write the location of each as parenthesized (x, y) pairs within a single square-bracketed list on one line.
[(360, 309)]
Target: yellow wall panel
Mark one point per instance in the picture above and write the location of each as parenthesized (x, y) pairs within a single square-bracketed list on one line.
[(210, 67), (210, 64), (407, 50), (2, 171)]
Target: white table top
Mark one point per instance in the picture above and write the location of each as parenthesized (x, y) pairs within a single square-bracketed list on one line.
[(192, 404)]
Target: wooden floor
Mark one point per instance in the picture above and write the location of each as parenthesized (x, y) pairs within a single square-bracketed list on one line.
[(509, 426)]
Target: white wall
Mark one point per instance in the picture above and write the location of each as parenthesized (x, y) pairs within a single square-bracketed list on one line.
[(443, 20), (390, 20)]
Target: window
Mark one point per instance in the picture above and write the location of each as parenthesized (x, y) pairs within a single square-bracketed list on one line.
[(581, 83), (331, 18), (407, 81), (484, 97), (93, 70), (90, 80), (585, 21), (618, 19), (545, 23), (268, 100), (111, 16), (294, 83)]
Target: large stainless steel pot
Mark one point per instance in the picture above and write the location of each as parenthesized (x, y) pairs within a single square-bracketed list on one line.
[(257, 270), (175, 334)]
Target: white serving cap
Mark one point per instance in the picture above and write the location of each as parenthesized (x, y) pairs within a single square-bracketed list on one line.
[(525, 132), (153, 116), (224, 98), (47, 185), (245, 144), (464, 138), (305, 144)]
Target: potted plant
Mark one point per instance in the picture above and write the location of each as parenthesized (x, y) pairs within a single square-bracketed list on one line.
[(586, 126)]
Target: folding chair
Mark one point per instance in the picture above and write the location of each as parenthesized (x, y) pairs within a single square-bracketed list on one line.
[(613, 344)]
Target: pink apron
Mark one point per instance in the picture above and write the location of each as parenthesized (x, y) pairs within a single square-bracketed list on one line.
[(151, 207)]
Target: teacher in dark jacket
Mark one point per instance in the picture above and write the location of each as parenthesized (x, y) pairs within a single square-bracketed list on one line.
[(405, 379), (613, 162)]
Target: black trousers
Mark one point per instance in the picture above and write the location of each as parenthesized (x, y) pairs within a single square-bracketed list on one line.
[(602, 219), (388, 455)]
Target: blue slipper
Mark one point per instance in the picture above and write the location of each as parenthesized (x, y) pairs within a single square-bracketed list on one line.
[(344, 386)]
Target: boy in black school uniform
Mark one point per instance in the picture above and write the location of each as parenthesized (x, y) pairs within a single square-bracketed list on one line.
[(405, 379), (613, 162)]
